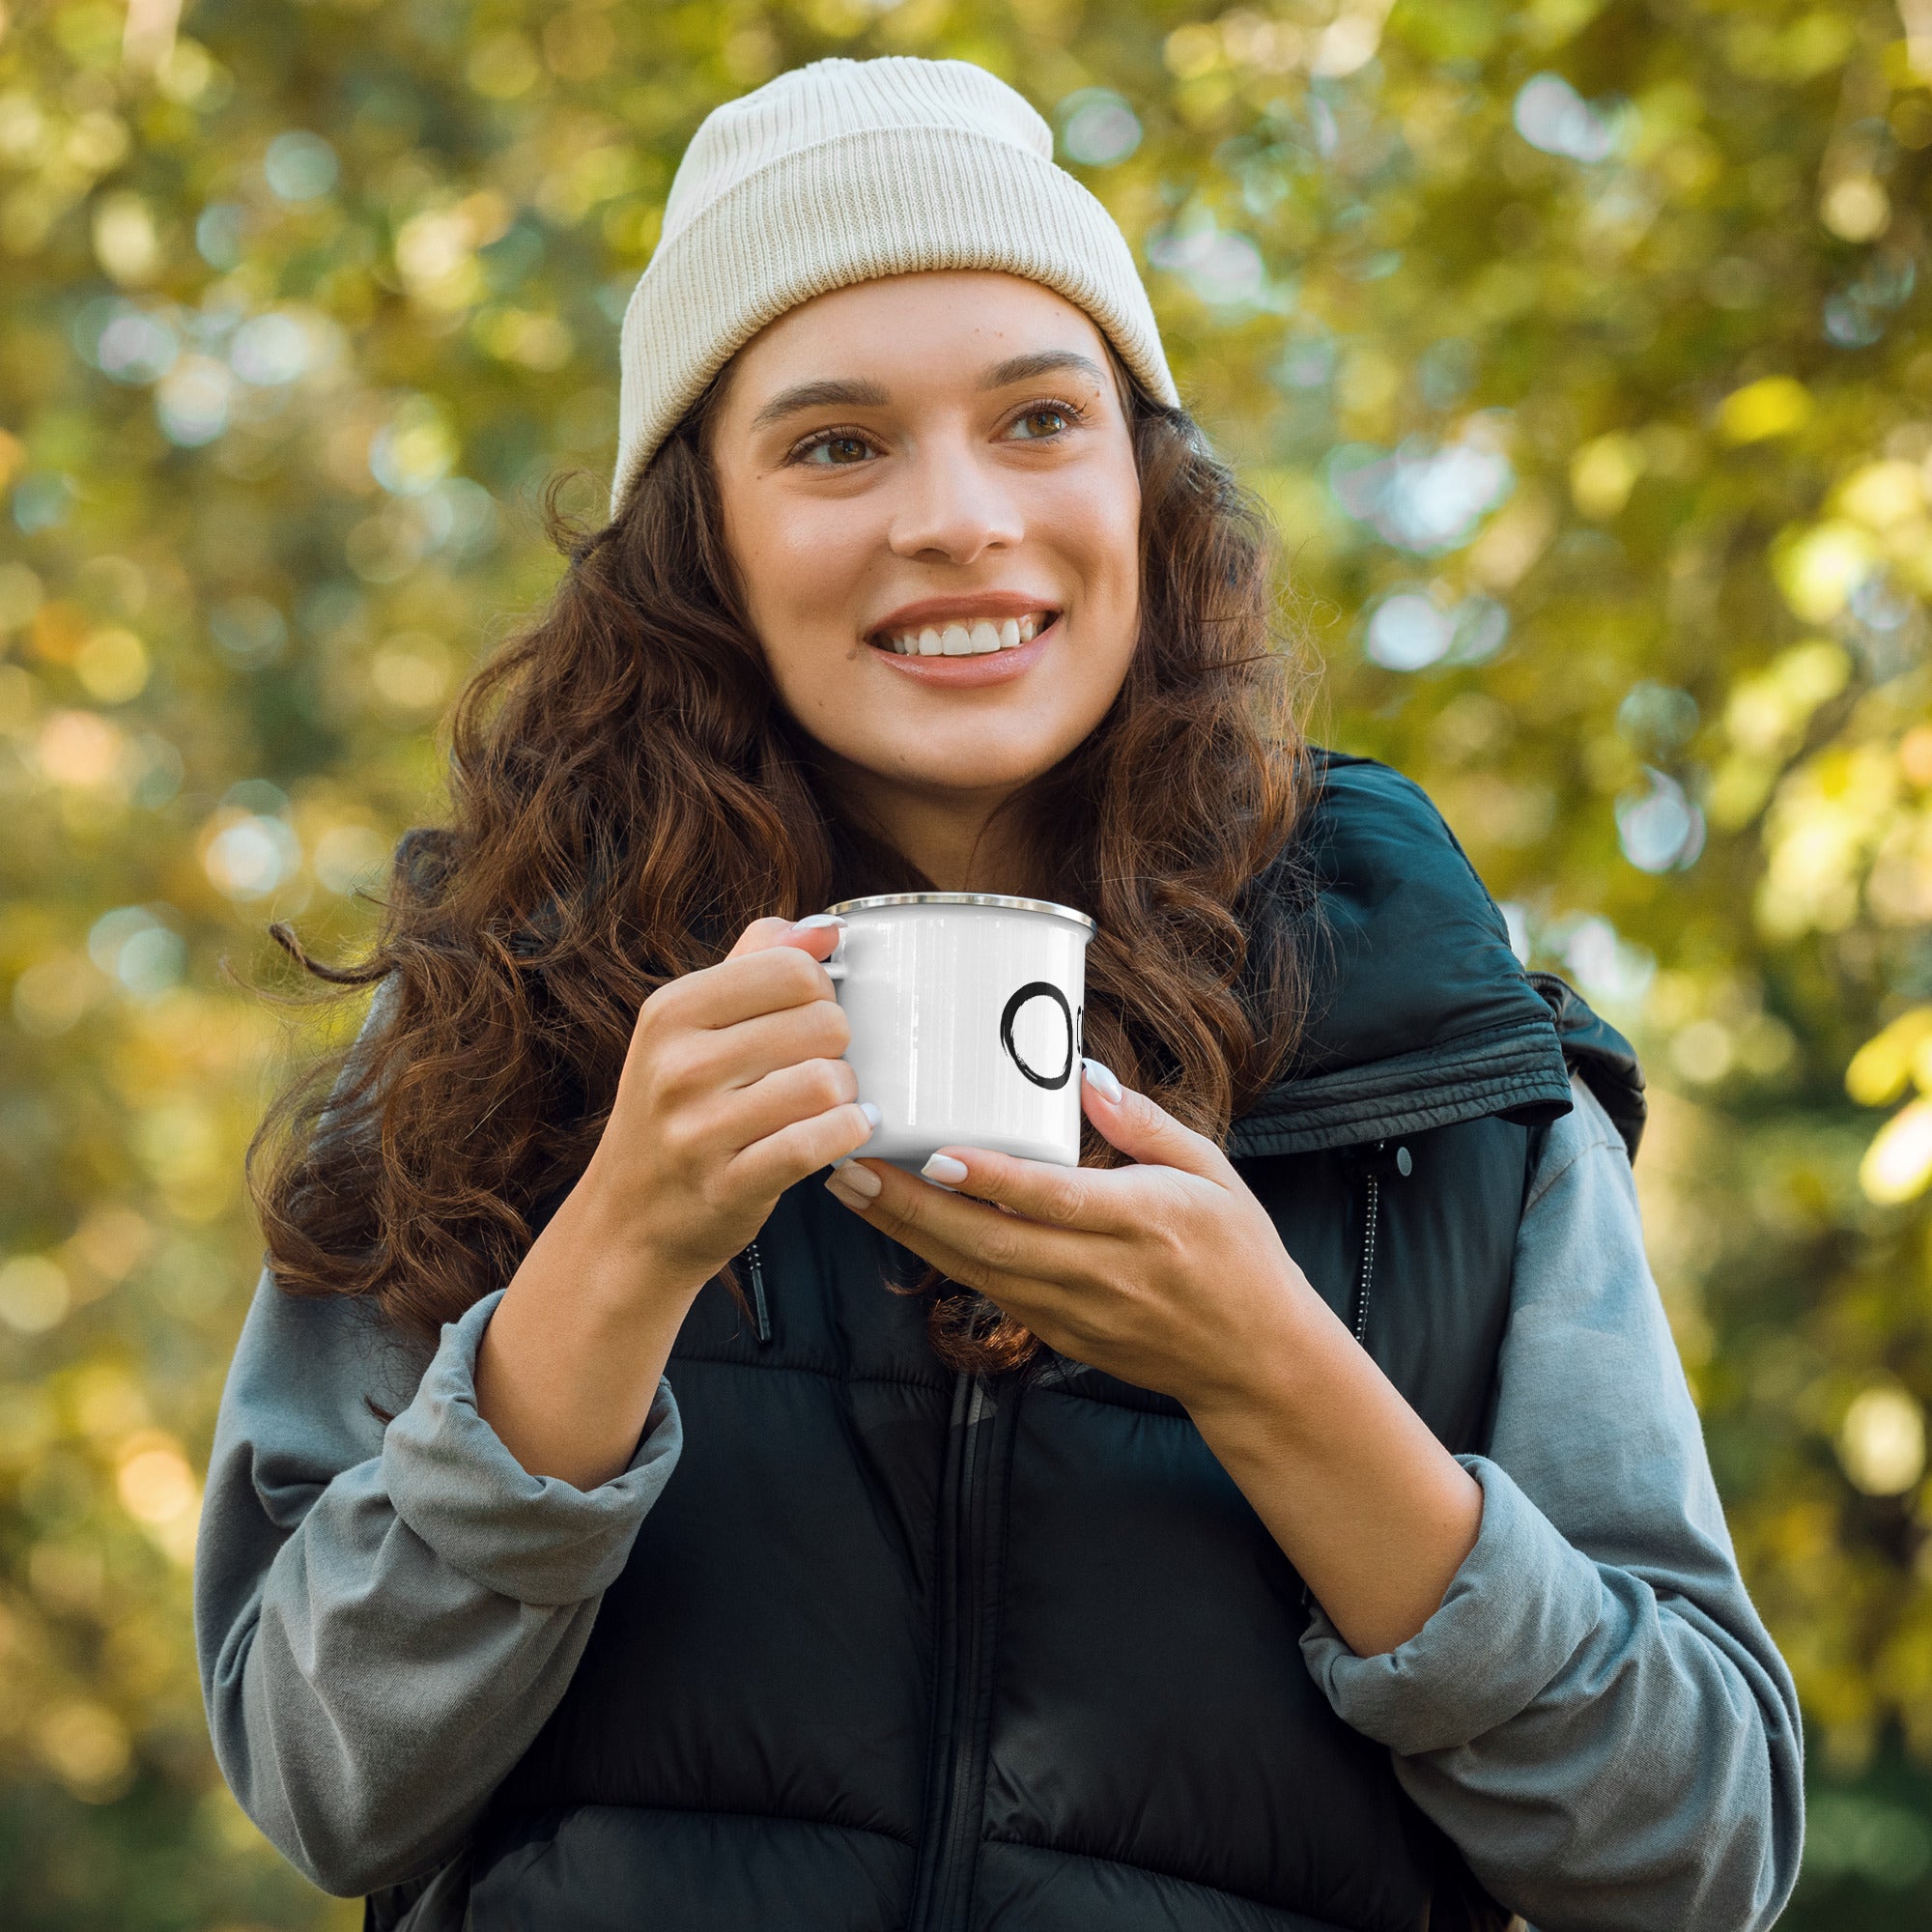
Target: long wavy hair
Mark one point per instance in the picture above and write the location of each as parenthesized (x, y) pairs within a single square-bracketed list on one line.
[(627, 793)]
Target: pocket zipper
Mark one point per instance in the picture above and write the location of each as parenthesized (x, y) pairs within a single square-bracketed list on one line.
[(754, 1267)]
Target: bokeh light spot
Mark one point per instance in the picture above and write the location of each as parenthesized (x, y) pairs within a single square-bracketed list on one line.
[(300, 166)]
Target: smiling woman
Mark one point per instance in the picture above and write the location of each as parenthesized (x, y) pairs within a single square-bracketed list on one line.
[(981, 474), (1291, 1519)]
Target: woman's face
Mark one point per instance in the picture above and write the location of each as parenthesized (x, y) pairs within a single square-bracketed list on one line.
[(929, 494)]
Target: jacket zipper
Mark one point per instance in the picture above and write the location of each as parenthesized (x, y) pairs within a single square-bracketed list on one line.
[(754, 1267), (1378, 1164), (1365, 1274), (947, 1890)]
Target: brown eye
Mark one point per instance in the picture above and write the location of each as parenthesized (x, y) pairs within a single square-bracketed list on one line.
[(1045, 421), (836, 452)]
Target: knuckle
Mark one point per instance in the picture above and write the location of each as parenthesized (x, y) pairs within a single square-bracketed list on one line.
[(679, 1064), (1061, 1199), (834, 1083), (1000, 1248), (680, 1136), (1171, 1226), (798, 970), (657, 1016)]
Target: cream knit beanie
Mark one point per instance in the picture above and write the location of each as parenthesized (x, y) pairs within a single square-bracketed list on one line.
[(842, 171)]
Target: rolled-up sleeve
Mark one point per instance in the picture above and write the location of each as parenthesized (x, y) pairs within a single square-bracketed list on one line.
[(387, 1612), (1595, 1714)]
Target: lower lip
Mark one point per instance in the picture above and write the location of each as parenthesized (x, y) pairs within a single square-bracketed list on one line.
[(963, 673)]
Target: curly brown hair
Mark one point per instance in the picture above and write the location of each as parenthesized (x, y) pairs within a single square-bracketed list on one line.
[(627, 794)]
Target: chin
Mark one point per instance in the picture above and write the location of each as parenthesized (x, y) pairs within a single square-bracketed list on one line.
[(973, 765)]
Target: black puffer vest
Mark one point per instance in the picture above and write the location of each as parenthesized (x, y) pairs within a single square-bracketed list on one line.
[(901, 1650)]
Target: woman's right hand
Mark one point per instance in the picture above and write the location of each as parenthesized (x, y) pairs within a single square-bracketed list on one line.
[(733, 1091)]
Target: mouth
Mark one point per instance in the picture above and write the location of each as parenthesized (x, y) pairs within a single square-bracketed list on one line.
[(964, 637)]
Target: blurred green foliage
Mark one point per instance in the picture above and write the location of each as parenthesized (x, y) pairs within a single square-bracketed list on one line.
[(1581, 352)]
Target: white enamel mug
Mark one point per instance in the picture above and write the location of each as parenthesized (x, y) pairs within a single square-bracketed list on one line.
[(965, 1011)]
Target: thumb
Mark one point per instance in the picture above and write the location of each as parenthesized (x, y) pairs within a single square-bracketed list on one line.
[(816, 936), (1144, 1131)]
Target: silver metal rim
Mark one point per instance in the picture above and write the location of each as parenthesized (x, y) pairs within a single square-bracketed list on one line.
[(996, 899)]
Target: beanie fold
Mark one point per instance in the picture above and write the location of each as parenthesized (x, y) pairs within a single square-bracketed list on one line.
[(857, 208)]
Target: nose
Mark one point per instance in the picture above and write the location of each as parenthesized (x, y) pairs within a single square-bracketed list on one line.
[(955, 508)]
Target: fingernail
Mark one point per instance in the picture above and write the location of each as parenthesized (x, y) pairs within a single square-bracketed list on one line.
[(944, 1170), (814, 922), (872, 1115), (856, 1183), (1102, 1081)]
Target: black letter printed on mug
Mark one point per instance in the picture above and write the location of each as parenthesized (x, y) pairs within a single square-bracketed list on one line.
[(1038, 989)]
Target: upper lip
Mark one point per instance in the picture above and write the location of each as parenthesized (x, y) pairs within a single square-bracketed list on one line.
[(934, 612)]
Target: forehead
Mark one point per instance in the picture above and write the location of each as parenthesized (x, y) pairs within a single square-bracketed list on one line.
[(931, 329)]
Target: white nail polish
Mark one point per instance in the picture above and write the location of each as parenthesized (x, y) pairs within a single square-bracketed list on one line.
[(1102, 1080), (872, 1113), (944, 1169), (817, 920)]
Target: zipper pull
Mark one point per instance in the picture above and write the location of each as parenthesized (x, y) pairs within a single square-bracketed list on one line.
[(754, 1267), (1384, 1163)]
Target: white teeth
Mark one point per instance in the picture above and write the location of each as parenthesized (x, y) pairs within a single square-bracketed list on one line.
[(980, 638)]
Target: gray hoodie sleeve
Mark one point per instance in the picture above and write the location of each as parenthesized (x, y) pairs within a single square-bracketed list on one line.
[(1595, 1714), (386, 1615)]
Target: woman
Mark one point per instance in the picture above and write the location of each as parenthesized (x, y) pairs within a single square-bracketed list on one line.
[(1295, 1518)]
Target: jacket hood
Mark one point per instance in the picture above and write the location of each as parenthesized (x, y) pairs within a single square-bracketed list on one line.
[(1420, 1016)]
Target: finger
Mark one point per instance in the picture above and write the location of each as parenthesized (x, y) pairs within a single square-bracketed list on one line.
[(956, 1233), (816, 936), (761, 934), (783, 1160), (1091, 1199), (766, 981), (784, 1097), (1146, 1132), (741, 1055), (1033, 1299)]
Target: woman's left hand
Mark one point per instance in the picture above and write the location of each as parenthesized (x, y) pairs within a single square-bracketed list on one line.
[(1167, 1274)]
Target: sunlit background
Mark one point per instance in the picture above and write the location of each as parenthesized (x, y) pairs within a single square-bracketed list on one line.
[(1581, 352)]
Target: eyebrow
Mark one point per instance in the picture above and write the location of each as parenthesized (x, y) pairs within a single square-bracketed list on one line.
[(857, 394), (822, 395), (1042, 362)]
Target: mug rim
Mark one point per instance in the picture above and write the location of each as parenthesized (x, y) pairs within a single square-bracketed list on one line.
[(997, 900)]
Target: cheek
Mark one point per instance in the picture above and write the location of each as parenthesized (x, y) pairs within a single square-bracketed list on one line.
[(800, 565), (1104, 543)]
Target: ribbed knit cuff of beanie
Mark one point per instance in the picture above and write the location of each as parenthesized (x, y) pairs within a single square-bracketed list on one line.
[(848, 171)]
